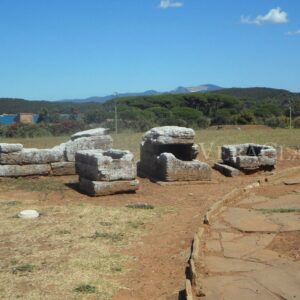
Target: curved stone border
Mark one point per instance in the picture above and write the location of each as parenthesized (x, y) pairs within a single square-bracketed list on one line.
[(229, 197), (192, 278)]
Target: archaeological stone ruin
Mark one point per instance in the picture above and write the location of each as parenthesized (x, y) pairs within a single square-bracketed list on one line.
[(16, 161), (246, 157), (169, 154), (104, 173)]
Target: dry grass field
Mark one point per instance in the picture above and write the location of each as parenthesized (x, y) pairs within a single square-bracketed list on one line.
[(209, 139), (77, 249), (72, 251)]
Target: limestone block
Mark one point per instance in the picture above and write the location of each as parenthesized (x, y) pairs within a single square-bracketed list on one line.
[(108, 165), (229, 151), (25, 170), (226, 170), (247, 162), (63, 168), (269, 152), (172, 169), (104, 188), (31, 156), (170, 135), (90, 132), (266, 161), (86, 143), (8, 148)]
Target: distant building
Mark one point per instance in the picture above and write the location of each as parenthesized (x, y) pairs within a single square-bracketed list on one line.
[(25, 118), (21, 118)]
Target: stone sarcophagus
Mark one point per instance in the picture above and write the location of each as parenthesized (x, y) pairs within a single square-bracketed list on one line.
[(249, 156), (106, 172), (169, 154), (16, 161)]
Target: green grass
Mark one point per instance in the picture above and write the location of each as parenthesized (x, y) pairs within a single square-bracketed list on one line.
[(24, 268), (140, 206), (278, 210), (85, 289), (111, 236)]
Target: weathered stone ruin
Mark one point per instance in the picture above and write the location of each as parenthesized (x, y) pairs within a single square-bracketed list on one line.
[(16, 161), (169, 154), (106, 172), (246, 157)]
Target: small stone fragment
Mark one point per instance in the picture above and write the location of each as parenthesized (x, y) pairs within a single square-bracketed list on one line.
[(28, 214)]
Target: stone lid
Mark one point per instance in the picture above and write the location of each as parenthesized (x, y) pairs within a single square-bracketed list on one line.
[(170, 135), (90, 132), (9, 148)]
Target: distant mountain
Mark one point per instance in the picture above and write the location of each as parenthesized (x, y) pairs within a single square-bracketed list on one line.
[(180, 90), (196, 89)]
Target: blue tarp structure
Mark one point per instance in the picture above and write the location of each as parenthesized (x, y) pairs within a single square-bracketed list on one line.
[(8, 119)]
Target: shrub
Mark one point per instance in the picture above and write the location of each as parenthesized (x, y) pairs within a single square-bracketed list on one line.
[(85, 289), (297, 122)]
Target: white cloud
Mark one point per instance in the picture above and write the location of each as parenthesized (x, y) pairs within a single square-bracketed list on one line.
[(169, 4), (293, 32), (274, 16)]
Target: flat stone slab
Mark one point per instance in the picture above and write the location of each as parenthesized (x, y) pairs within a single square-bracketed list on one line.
[(25, 170), (235, 287), (253, 199), (28, 214), (294, 181), (248, 220), (63, 168), (170, 135), (9, 148), (31, 156), (286, 202), (104, 188), (245, 246), (216, 264), (226, 170), (90, 132)]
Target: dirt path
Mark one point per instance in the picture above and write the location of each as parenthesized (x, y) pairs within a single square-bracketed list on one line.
[(160, 258)]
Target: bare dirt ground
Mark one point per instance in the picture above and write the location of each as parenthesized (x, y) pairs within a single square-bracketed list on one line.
[(158, 260)]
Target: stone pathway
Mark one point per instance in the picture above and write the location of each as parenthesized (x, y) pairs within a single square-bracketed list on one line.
[(251, 250)]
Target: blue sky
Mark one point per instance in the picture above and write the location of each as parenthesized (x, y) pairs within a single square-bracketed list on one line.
[(60, 49)]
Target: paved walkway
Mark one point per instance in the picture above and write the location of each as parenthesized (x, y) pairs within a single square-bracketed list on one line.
[(252, 248)]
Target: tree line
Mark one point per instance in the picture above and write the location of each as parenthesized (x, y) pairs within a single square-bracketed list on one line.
[(139, 113)]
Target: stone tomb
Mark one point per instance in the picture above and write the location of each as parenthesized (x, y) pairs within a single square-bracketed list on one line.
[(16, 161), (169, 154), (247, 157), (106, 172)]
